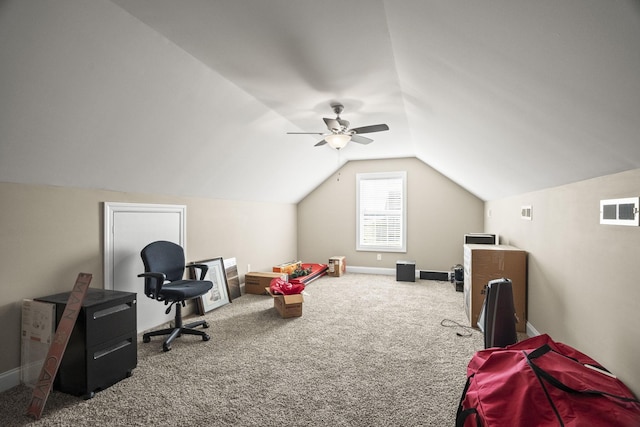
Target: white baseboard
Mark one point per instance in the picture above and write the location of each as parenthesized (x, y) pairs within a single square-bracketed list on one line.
[(531, 331), (9, 379), (371, 270), (376, 270)]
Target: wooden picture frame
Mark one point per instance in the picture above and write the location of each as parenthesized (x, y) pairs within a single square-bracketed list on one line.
[(233, 279), (219, 294)]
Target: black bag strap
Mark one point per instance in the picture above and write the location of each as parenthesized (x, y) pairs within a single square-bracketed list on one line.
[(535, 354), (464, 392), (463, 414), (541, 373)]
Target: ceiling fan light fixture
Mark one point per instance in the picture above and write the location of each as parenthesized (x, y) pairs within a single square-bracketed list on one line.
[(337, 140)]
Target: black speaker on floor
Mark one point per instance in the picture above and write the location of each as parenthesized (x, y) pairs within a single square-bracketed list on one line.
[(434, 275), (458, 277), (498, 315)]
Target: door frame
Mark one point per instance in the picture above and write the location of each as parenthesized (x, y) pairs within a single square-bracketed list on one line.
[(113, 208)]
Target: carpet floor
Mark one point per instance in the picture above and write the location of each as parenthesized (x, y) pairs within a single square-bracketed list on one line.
[(367, 351)]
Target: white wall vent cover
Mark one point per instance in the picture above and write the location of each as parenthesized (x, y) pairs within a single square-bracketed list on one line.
[(620, 211)]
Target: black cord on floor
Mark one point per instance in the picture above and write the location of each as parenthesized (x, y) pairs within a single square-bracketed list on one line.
[(468, 330)]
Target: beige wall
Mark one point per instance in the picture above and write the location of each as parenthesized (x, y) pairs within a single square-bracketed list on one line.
[(50, 234), (439, 213), (584, 281)]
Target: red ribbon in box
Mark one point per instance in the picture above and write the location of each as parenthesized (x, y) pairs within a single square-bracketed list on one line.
[(279, 286)]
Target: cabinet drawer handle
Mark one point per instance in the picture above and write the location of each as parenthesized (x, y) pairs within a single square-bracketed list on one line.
[(115, 347), (111, 310)]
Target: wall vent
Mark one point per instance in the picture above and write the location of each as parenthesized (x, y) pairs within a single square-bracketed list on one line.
[(620, 211), (525, 212)]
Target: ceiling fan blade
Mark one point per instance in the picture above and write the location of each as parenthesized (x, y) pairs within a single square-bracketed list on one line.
[(324, 141), (361, 139), (370, 129), (332, 124), (305, 133)]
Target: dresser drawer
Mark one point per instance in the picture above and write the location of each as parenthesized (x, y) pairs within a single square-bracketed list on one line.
[(110, 320), (111, 361), (87, 370)]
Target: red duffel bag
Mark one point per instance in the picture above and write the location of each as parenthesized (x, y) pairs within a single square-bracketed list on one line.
[(538, 382)]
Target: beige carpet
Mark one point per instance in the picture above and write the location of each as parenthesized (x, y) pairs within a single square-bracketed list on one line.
[(367, 351)]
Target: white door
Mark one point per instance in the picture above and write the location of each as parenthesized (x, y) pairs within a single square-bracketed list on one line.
[(128, 229)]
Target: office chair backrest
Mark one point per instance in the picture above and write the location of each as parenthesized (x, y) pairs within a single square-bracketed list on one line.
[(164, 257)]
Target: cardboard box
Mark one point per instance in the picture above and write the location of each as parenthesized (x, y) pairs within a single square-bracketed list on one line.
[(337, 266), (483, 263), (287, 267), (38, 331), (287, 305), (255, 282)]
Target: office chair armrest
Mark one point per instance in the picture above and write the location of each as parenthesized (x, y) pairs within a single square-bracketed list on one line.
[(203, 269), (155, 284)]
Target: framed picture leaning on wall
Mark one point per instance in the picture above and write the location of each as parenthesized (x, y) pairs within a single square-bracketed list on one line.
[(219, 293), (233, 279)]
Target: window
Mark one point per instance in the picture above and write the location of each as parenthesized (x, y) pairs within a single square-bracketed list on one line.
[(381, 211)]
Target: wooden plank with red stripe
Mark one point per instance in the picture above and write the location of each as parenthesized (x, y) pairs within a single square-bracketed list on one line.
[(58, 346)]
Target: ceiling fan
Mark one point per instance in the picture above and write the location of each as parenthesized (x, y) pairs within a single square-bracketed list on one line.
[(340, 134)]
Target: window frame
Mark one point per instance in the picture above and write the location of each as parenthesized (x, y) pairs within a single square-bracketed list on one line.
[(401, 246)]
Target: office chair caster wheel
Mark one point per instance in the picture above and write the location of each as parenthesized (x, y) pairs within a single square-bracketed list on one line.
[(205, 325), (146, 339), (206, 338), (166, 347)]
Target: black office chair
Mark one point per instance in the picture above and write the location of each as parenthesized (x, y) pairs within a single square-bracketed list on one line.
[(164, 266)]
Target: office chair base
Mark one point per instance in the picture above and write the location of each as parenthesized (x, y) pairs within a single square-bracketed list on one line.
[(175, 332)]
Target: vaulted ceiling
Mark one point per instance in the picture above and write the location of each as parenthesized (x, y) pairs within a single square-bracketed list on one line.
[(503, 97)]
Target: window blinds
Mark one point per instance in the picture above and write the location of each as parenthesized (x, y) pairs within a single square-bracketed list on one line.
[(381, 213)]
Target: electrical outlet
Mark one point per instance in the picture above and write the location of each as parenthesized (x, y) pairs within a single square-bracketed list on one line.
[(248, 268), (379, 257)]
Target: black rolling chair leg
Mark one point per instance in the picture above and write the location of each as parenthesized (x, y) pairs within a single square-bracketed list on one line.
[(202, 323), (166, 346), (203, 334)]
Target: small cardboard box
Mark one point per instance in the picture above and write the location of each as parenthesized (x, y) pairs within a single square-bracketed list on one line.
[(287, 305), (287, 267), (337, 266), (254, 283)]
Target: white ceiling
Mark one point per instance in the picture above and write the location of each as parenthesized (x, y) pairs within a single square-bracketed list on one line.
[(502, 96)]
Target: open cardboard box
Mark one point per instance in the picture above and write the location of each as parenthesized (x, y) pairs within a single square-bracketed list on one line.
[(287, 305)]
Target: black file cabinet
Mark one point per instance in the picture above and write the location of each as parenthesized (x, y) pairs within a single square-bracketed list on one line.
[(102, 348)]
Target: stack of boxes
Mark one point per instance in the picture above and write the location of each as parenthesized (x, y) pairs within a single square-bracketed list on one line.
[(258, 283), (337, 266), (287, 305)]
